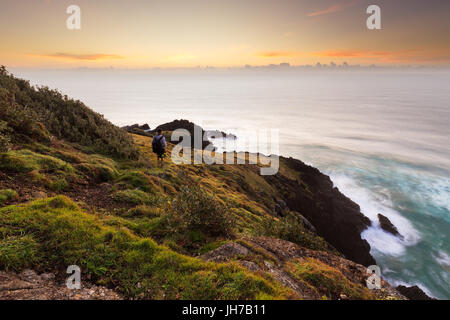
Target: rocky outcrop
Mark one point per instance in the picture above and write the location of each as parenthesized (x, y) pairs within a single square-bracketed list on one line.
[(335, 217), (274, 256), (413, 293), (387, 225), (28, 285)]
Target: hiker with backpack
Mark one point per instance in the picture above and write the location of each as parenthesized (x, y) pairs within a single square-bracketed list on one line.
[(159, 146)]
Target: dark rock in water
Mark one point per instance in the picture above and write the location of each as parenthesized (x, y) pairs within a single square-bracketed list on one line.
[(387, 225), (335, 217), (137, 129), (413, 293)]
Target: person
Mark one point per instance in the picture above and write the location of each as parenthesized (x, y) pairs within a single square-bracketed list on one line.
[(159, 147)]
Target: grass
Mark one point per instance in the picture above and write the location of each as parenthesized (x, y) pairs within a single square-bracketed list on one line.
[(7, 195), (23, 161), (54, 233), (136, 197), (328, 281)]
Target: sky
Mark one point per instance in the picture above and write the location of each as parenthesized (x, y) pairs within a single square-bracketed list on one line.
[(222, 33)]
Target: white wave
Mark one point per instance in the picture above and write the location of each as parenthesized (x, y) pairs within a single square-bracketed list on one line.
[(442, 258), (371, 204)]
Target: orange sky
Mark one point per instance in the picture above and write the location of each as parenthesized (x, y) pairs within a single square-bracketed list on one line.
[(187, 33)]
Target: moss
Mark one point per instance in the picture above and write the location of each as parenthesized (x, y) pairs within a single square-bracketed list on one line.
[(56, 233), (143, 211), (135, 197), (26, 161), (327, 280), (104, 172), (7, 195), (136, 180), (19, 252)]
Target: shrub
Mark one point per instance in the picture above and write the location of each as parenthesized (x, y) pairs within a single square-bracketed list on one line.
[(7, 194), (290, 228), (33, 112), (199, 210)]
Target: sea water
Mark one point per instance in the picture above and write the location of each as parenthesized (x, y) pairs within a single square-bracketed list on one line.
[(382, 136)]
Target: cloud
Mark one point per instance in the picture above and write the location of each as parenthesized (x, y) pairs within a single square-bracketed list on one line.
[(276, 54), (72, 56), (332, 9)]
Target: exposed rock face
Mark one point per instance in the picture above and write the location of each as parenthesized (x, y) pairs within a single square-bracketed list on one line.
[(387, 225), (335, 217), (413, 293), (28, 285), (223, 253), (268, 255)]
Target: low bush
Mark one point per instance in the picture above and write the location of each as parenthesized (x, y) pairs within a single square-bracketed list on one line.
[(7, 195), (197, 209), (291, 228)]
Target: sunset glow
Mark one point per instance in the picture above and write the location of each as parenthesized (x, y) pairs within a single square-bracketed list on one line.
[(179, 33)]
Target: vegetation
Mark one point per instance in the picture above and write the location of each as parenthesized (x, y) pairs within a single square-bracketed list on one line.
[(329, 281), (55, 232), (7, 195), (33, 113), (291, 228), (198, 210)]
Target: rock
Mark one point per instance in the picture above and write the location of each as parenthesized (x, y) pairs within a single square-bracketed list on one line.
[(28, 285), (387, 225), (274, 256), (281, 208), (308, 226), (413, 293), (225, 252), (39, 194), (47, 276)]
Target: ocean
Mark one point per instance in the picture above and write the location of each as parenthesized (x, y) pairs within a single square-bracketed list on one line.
[(382, 136)]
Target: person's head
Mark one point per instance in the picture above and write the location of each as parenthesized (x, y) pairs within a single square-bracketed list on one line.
[(159, 131)]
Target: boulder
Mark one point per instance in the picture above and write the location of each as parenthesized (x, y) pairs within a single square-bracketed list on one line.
[(387, 225), (413, 293)]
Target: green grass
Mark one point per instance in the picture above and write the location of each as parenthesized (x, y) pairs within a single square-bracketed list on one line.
[(7, 195), (54, 233), (328, 281), (135, 197), (136, 180)]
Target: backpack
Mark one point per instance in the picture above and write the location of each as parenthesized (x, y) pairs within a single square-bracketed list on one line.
[(157, 145)]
